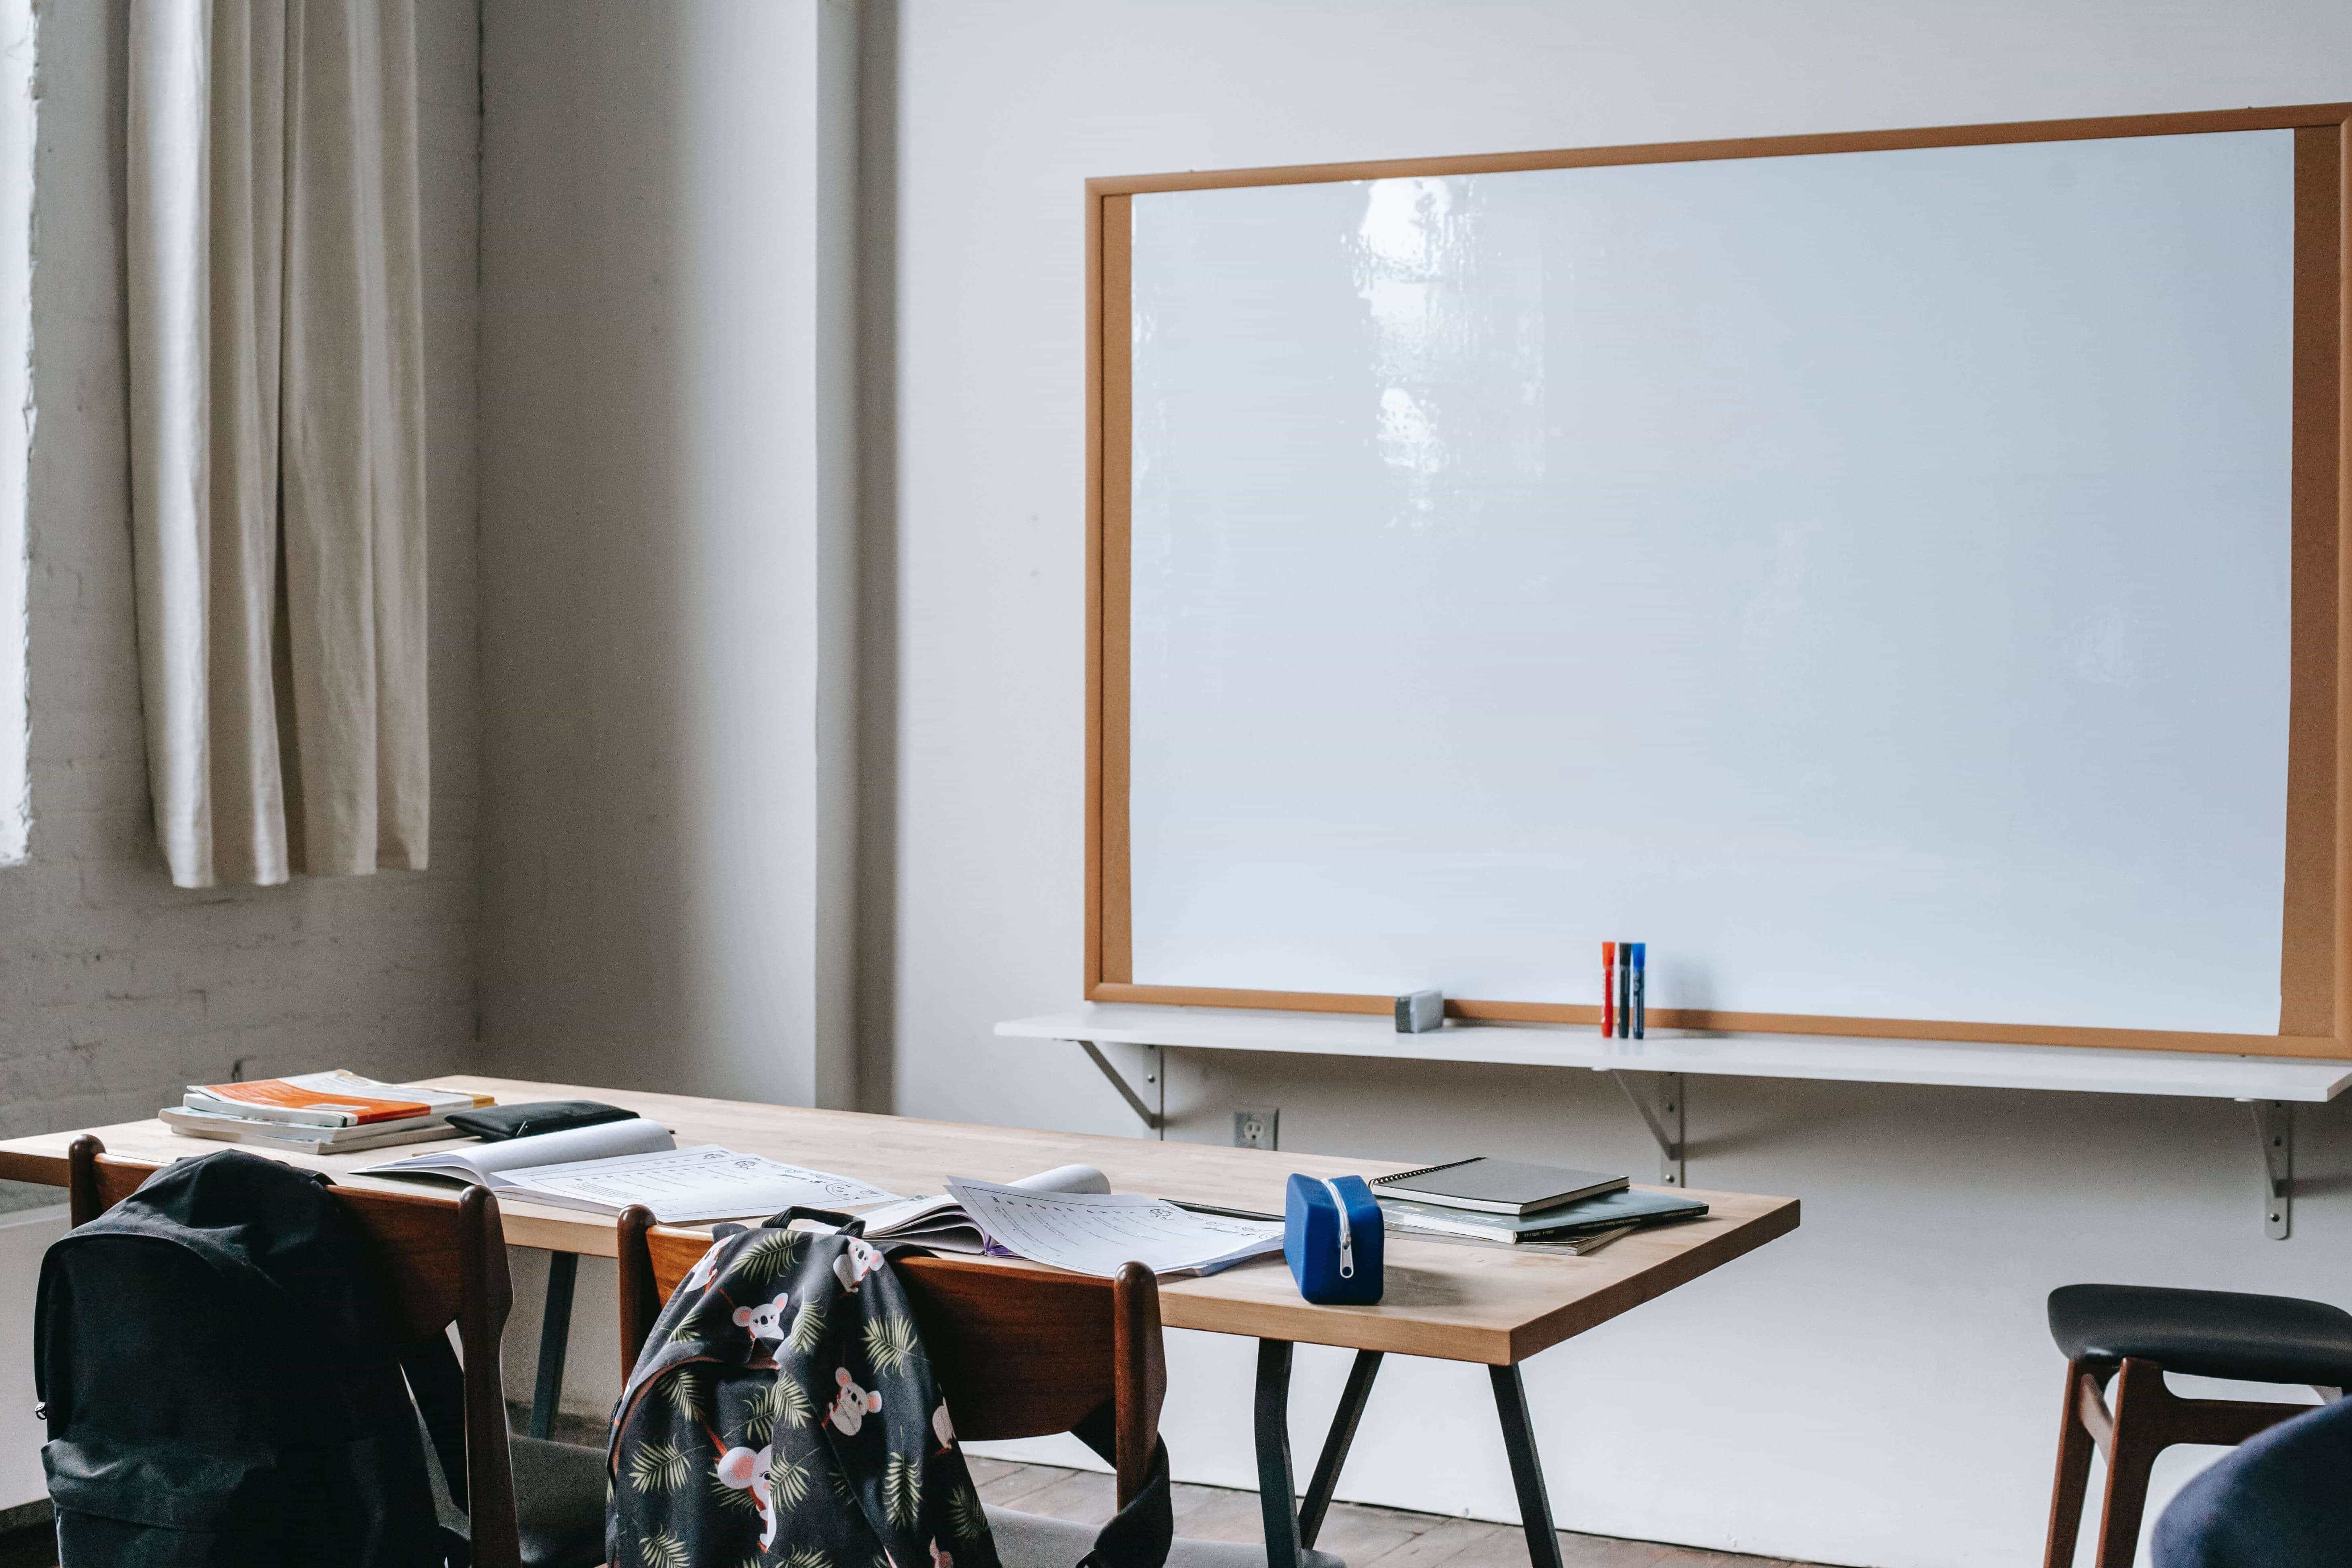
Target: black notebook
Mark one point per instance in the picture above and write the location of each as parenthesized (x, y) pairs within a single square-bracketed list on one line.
[(1496, 1186)]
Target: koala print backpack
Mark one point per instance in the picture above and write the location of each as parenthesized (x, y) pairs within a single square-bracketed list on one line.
[(783, 1415)]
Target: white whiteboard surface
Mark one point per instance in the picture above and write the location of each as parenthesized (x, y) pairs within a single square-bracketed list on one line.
[(1863, 577)]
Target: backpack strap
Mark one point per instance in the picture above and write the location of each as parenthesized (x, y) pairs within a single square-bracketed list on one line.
[(438, 1383), (846, 1224), (1138, 1536)]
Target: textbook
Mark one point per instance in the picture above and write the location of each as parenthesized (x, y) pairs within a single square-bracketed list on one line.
[(1607, 1212), (1583, 1244), (336, 1099), (292, 1137), (1495, 1186)]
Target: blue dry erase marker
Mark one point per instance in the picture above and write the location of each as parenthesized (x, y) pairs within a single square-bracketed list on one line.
[(1641, 967)]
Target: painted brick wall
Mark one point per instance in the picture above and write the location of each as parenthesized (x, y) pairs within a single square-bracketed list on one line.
[(115, 987)]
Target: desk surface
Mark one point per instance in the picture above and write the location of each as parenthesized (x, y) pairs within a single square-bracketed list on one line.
[(1488, 1304), (1947, 1062)]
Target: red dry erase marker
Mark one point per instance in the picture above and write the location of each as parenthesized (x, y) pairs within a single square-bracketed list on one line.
[(1608, 989)]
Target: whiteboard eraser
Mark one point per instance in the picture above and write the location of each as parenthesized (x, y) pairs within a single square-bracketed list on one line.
[(1420, 1012)]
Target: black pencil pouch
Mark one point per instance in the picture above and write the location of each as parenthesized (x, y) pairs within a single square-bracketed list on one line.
[(497, 1123)]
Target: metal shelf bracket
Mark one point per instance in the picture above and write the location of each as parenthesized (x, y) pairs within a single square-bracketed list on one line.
[(2275, 1127), (1154, 1079), (1664, 1122)]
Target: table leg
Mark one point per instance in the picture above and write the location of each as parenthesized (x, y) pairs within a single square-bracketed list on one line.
[(554, 1338), (1277, 1503), (1336, 1443), (1527, 1466)]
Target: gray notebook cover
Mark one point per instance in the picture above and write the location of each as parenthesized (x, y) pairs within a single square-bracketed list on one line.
[(1497, 1186), (1605, 1212), (1621, 1207)]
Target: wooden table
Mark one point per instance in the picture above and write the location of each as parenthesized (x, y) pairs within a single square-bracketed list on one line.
[(1492, 1305)]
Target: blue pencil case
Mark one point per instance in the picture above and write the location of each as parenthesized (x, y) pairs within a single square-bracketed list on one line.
[(1331, 1233)]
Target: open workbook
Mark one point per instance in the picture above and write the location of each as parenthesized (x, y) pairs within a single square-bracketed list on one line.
[(942, 1222), (1099, 1232), (606, 1168), (1069, 1217)]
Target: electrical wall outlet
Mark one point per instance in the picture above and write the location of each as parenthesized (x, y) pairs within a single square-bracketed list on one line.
[(1256, 1128)]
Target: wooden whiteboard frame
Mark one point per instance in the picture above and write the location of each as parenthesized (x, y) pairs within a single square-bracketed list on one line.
[(2316, 953)]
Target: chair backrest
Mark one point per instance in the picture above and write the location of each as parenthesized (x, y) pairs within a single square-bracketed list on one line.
[(1019, 1351), (2278, 1500), (442, 1261)]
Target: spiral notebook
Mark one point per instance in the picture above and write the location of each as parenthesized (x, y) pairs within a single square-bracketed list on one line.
[(1496, 1186)]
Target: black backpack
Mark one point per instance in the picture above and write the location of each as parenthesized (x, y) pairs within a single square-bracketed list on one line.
[(215, 1364)]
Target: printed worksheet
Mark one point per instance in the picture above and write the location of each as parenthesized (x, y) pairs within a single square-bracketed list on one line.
[(1090, 1234), (688, 1185), (940, 1223)]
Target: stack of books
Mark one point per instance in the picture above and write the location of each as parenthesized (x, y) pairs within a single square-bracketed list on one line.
[(318, 1113), (1519, 1203)]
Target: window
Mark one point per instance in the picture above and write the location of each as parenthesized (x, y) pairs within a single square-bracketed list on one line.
[(16, 122)]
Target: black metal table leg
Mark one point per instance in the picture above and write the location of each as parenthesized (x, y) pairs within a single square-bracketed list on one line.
[(1527, 1466), (1277, 1503), (1336, 1443), (554, 1338)]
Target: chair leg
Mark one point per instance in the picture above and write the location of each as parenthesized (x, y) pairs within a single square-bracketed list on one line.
[(2073, 1477), (2140, 1404)]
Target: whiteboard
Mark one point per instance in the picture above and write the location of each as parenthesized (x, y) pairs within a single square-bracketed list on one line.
[(1863, 577)]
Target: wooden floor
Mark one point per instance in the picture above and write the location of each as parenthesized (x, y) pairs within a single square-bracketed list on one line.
[(1365, 1536)]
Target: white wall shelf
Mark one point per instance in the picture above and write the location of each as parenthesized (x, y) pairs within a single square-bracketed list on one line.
[(2272, 1084), (1680, 1050)]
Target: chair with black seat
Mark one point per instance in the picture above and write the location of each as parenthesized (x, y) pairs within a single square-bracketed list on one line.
[(1018, 1351), (530, 1504), (2129, 1336)]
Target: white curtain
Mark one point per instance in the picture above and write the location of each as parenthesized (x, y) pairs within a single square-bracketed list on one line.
[(277, 433)]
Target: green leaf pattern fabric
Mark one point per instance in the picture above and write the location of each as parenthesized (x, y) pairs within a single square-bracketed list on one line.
[(784, 1416)]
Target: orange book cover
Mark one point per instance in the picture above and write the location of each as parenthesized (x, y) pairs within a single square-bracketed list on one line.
[(343, 1098), (277, 1091)]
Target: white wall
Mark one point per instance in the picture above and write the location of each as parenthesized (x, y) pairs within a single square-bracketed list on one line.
[(667, 608), (667, 489), (23, 1238), (1877, 1389)]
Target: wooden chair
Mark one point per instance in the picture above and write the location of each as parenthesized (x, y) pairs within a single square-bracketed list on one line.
[(2123, 1339), (1018, 1352), (444, 1261)]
